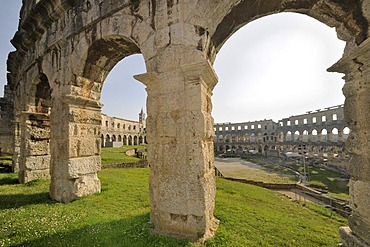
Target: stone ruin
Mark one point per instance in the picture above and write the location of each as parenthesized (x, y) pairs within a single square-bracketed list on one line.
[(66, 48)]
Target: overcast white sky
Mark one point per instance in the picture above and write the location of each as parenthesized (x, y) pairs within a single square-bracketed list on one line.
[(272, 68)]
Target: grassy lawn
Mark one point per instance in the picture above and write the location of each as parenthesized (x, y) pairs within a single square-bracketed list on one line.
[(117, 155), (326, 179), (6, 159), (119, 216), (319, 177)]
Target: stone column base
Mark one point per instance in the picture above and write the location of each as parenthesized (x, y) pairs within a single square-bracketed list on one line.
[(185, 233), (67, 190), (349, 239)]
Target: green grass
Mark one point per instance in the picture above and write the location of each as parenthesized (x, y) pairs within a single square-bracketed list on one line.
[(6, 159), (319, 177), (323, 178), (117, 155), (119, 216)]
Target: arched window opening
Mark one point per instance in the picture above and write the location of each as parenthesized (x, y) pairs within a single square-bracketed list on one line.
[(324, 135), (288, 136)]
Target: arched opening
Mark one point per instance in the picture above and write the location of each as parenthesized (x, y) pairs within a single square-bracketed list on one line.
[(314, 135), (268, 62), (288, 136), (35, 132), (324, 135), (296, 136), (305, 136), (102, 140), (334, 137), (265, 95), (346, 132)]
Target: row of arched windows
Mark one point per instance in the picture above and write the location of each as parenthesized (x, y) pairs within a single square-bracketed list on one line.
[(129, 127), (313, 120), (125, 139), (335, 135)]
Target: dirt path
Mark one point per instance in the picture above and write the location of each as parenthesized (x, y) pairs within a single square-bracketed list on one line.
[(238, 168)]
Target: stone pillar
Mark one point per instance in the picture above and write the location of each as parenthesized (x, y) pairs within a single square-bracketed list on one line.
[(340, 136), (17, 144), (356, 65), (34, 159), (75, 147), (330, 137), (309, 136), (180, 154)]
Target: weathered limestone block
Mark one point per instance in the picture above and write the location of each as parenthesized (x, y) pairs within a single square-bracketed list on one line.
[(38, 162), (361, 169), (72, 189), (360, 201), (349, 239), (84, 165), (39, 132), (83, 146), (37, 147), (28, 176), (355, 64)]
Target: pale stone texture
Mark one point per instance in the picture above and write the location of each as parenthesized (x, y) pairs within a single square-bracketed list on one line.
[(66, 50), (356, 66)]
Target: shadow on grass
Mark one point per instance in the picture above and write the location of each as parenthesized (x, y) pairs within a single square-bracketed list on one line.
[(20, 200), (8, 181), (131, 231)]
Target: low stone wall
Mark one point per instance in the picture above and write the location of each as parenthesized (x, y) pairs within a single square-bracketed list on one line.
[(139, 164)]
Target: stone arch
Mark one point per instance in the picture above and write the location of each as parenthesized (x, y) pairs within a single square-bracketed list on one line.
[(324, 135), (305, 136), (227, 139), (130, 140), (135, 140), (280, 137), (289, 136), (102, 140), (314, 136), (114, 138), (239, 13), (296, 136), (125, 141), (334, 135), (107, 138), (220, 138), (34, 162), (119, 138)]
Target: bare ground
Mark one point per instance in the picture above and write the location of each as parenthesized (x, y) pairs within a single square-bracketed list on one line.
[(238, 168)]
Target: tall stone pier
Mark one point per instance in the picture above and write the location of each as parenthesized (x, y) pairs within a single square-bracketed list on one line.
[(355, 64)]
